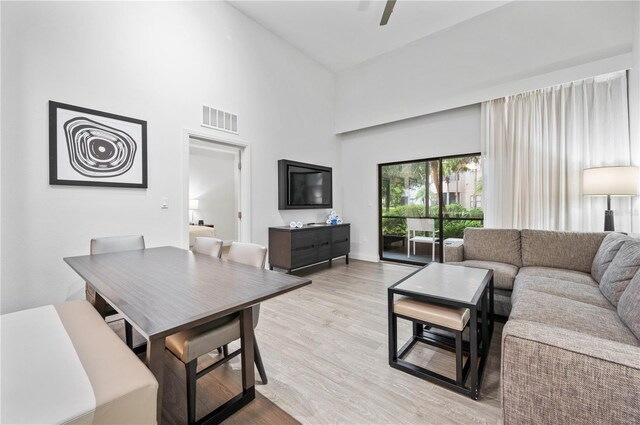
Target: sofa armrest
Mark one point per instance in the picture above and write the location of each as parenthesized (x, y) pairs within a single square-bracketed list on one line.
[(556, 376), (454, 253)]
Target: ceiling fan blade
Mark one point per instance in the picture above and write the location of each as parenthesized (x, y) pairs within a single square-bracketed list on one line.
[(388, 9)]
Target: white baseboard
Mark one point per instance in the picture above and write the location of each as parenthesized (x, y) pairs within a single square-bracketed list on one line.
[(364, 257)]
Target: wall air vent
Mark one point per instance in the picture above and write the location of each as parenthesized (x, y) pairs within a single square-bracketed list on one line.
[(220, 120)]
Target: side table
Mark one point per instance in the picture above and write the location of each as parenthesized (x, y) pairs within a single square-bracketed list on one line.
[(448, 286), (450, 242)]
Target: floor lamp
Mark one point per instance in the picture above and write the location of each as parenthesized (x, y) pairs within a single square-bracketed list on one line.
[(610, 181)]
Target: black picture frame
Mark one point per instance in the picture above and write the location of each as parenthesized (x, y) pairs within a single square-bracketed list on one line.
[(96, 150)]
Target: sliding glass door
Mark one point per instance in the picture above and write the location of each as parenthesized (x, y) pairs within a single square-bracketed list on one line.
[(427, 203)]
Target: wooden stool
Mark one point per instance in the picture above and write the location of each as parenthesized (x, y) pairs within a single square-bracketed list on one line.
[(421, 314)]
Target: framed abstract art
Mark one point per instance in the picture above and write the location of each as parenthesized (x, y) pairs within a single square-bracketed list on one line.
[(94, 148)]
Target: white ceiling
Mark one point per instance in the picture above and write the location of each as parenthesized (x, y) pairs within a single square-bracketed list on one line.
[(340, 34)]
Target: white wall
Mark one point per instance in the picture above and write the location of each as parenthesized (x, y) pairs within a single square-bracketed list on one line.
[(456, 131), (517, 47), (158, 62), (212, 182)]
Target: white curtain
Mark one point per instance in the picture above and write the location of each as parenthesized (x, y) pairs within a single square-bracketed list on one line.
[(535, 146)]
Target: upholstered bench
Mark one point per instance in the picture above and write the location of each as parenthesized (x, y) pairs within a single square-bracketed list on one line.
[(63, 364), (448, 318)]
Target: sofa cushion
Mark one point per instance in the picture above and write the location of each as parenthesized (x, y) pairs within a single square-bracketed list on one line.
[(608, 249), (563, 250), (503, 274), (559, 274), (556, 376), (629, 305), (622, 269), (499, 245), (572, 315), (562, 288)]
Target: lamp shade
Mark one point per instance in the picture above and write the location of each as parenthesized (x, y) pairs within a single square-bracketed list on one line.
[(611, 181), (193, 204)]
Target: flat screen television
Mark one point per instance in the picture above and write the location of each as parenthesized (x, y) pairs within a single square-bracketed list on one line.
[(303, 186)]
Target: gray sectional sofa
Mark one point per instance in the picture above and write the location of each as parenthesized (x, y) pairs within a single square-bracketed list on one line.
[(571, 345)]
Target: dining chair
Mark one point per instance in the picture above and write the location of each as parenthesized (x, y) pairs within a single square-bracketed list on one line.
[(193, 343), (424, 225), (104, 246), (208, 246)]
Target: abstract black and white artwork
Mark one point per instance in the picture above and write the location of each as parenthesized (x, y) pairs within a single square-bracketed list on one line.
[(93, 148)]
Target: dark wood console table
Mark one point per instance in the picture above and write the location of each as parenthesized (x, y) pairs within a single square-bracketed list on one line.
[(291, 248)]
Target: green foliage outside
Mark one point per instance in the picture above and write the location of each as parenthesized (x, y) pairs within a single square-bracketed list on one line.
[(451, 210), (455, 229), (452, 229), (395, 179)]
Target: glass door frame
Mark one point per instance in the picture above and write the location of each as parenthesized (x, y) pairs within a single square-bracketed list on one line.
[(440, 217)]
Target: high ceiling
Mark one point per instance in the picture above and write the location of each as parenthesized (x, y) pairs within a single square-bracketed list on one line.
[(340, 34)]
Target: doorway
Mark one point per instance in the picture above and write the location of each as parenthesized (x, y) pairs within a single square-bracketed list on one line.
[(215, 189), (426, 204)]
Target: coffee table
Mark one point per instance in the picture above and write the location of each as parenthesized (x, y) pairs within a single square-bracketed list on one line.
[(452, 286)]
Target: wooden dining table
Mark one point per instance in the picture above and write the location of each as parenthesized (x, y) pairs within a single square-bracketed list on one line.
[(161, 291)]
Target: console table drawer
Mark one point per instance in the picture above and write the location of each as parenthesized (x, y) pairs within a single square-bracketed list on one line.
[(340, 234), (339, 249), (324, 251), (303, 240), (304, 256)]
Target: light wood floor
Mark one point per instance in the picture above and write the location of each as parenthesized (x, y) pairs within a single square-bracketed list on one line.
[(325, 352)]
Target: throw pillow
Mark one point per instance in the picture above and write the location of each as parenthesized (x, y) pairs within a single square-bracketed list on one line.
[(621, 270), (629, 306), (607, 251)]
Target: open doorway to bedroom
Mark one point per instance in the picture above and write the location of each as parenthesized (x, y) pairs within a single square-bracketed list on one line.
[(215, 177)]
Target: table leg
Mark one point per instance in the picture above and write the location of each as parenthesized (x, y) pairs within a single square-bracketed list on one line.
[(155, 362), (459, 358), (99, 304), (418, 329), (128, 334), (491, 316), (246, 347), (393, 326), (473, 348), (485, 325)]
